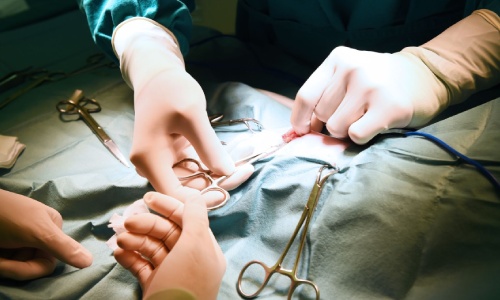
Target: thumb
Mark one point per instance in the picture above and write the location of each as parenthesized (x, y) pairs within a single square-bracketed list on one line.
[(64, 248), (195, 217)]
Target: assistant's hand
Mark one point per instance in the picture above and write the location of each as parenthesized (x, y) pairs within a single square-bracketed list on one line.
[(170, 107), (31, 239), (358, 94), (175, 252)]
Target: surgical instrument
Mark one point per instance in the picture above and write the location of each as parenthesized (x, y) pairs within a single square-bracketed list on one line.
[(94, 61), (14, 79), (38, 77), (306, 217), (82, 107), (199, 171), (213, 183), (216, 121)]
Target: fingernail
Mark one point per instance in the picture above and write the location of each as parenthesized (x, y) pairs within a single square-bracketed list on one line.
[(148, 197), (87, 258)]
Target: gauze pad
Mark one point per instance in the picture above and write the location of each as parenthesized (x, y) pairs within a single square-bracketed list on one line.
[(10, 149)]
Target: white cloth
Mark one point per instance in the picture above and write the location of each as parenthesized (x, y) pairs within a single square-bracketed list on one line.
[(117, 221), (10, 149)]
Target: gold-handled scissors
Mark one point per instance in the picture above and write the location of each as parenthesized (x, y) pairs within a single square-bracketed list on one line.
[(213, 182), (196, 169), (81, 107), (304, 221)]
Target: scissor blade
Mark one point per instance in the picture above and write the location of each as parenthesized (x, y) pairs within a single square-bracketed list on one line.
[(113, 148), (261, 155)]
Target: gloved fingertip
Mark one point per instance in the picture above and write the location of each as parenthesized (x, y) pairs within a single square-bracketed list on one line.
[(336, 132), (241, 174), (359, 134), (223, 166), (301, 129)]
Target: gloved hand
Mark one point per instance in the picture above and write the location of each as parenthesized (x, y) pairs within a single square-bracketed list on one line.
[(31, 239), (175, 252), (170, 107), (359, 94)]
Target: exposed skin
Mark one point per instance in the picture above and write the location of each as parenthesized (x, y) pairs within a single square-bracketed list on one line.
[(176, 251), (31, 245)]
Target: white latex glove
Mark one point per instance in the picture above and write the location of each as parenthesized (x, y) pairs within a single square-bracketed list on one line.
[(31, 239), (170, 107), (178, 252), (359, 94)]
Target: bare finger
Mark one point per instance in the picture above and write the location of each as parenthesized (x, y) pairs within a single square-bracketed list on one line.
[(167, 206), (155, 226), (133, 262), (39, 264), (152, 249)]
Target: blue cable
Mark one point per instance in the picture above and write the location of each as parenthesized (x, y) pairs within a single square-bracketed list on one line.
[(461, 156), (297, 80)]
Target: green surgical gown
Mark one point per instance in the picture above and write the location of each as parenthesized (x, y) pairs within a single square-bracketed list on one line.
[(308, 30)]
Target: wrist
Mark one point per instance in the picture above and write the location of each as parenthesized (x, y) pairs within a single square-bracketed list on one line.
[(430, 95), (464, 57), (145, 48)]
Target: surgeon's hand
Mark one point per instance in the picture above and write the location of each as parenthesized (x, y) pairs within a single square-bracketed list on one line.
[(178, 251), (170, 108), (31, 239), (358, 94)]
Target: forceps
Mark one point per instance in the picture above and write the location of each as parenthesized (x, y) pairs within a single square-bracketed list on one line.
[(14, 79), (82, 107), (216, 121), (94, 61), (37, 76), (277, 267)]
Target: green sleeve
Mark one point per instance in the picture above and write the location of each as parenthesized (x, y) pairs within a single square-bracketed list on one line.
[(103, 16), (172, 294)]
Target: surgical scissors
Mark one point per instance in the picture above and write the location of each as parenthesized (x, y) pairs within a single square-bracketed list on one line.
[(213, 184), (82, 107), (277, 267)]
